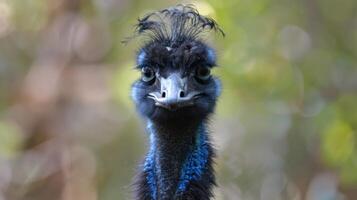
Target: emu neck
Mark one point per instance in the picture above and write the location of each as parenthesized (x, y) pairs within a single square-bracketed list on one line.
[(172, 148)]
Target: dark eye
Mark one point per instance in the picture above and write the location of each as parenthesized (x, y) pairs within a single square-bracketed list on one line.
[(147, 74), (203, 73)]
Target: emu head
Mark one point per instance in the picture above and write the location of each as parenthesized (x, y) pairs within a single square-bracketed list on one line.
[(175, 64)]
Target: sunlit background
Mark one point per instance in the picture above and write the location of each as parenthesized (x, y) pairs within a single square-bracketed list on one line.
[(285, 126)]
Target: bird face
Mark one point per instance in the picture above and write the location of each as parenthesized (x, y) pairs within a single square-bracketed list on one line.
[(176, 81)]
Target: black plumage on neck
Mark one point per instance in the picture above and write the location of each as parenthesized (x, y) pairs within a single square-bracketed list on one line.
[(179, 163)]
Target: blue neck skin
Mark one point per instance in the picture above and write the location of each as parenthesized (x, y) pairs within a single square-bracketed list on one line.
[(176, 157)]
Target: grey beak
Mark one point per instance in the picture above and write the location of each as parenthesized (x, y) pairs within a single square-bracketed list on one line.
[(173, 94)]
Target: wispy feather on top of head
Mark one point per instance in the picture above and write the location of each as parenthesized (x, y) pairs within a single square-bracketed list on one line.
[(175, 24)]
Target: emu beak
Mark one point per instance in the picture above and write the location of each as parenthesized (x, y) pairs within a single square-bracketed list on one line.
[(173, 94)]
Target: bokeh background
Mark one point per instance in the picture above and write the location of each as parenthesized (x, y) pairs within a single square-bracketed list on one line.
[(285, 126)]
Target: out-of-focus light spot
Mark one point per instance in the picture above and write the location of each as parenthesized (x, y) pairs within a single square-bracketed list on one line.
[(294, 42), (91, 41), (204, 8), (38, 163), (10, 139), (90, 86), (42, 81), (338, 143), (5, 13), (323, 187)]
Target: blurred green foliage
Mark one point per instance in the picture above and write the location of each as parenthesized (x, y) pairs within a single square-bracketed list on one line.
[(287, 115), (10, 140)]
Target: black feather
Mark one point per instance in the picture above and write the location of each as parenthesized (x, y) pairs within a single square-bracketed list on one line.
[(175, 25)]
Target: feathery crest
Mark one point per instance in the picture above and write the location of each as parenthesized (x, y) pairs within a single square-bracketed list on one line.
[(175, 24)]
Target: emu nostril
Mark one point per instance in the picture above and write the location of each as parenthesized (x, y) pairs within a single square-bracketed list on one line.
[(182, 94), (163, 94)]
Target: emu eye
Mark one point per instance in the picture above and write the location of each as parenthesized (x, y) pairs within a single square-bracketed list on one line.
[(203, 73), (147, 74)]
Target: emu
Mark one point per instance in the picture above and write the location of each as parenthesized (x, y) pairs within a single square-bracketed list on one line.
[(176, 95)]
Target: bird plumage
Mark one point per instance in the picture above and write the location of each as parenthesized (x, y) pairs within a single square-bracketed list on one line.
[(176, 95), (175, 25)]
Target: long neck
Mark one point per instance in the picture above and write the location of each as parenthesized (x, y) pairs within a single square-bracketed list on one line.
[(178, 155)]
